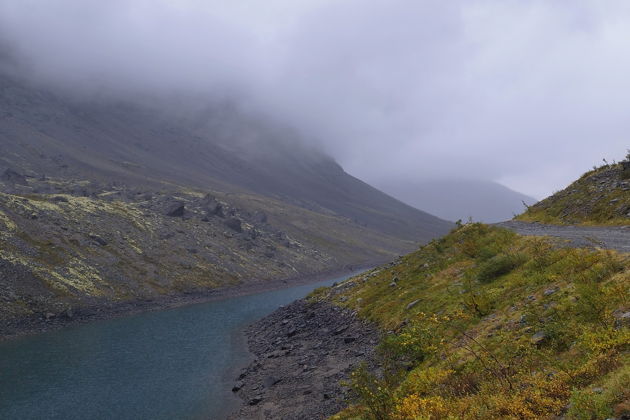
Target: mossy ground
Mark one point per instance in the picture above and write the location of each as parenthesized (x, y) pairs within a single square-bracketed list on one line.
[(503, 326), (599, 197)]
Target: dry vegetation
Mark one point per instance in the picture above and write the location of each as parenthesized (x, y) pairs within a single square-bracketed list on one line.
[(599, 197), (484, 323)]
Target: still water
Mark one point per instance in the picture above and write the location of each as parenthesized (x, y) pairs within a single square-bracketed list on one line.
[(170, 364)]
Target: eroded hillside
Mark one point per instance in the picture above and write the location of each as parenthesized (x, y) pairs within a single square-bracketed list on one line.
[(80, 243), (599, 197)]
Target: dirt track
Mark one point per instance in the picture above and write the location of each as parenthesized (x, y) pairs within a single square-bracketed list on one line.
[(609, 237)]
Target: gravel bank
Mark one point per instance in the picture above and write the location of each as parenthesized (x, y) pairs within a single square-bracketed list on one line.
[(301, 354)]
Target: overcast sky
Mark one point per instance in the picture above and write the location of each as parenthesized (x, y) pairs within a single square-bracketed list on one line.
[(527, 93)]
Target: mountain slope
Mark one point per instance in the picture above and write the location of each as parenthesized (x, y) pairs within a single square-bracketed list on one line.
[(104, 202), (483, 201), (599, 197), (209, 146)]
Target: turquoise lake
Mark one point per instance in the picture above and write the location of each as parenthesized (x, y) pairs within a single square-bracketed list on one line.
[(171, 364)]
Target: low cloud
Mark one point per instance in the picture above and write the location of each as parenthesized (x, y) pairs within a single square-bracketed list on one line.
[(527, 93)]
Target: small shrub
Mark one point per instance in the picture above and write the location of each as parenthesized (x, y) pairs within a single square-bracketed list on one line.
[(498, 266), (587, 405), (373, 393)]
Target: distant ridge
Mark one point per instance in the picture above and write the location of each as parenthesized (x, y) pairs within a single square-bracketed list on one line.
[(459, 199)]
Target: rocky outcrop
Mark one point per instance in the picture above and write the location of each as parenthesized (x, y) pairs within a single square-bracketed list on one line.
[(234, 224), (176, 210), (14, 177), (303, 352)]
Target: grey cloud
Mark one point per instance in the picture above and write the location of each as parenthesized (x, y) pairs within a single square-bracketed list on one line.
[(527, 93)]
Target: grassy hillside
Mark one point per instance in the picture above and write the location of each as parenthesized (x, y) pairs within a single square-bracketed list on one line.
[(486, 324), (599, 197)]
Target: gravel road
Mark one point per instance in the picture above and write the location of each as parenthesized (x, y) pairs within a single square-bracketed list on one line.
[(610, 237)]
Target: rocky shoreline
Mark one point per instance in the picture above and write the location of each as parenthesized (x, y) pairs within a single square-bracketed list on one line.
[(301, 354), (14, 328)]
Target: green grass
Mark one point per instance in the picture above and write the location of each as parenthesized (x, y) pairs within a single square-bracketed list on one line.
[(504, 326)]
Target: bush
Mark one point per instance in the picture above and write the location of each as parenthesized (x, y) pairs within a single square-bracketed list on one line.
[(498, 266), (373, 393)]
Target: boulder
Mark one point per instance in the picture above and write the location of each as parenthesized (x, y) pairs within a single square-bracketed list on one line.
[(176, 210), (97, 239), (234, 224), (212, 206)]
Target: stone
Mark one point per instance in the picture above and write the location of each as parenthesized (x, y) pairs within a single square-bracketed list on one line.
[(270, 381), (622, 319), (539, 338), (340, 330), (234, 224), (212, 206), (176, 210), (97, 239), (550, 291), (257, 399), (237, 386), (412, 304)]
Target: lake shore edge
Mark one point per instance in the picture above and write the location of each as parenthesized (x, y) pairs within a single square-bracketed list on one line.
[(32, 325), (301, 355)]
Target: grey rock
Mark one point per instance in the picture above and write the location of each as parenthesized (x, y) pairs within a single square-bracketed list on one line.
[(97, 239), (539, 338), (412, 304), (271, 381), (176, 210), (234, 224), (257, 399)]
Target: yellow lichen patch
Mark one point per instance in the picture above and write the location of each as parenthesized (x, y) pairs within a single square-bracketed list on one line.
[(134, 246), (9, 225), (73, 275)]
